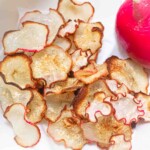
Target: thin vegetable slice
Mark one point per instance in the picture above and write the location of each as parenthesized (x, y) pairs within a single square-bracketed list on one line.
[(26, 133), (36, 108), (102, 131), (86, 96), (66, 129), (127, 108), (88, 36), (52, 64), (91, 73), (119, 143), (71, 84), (17, 71), (10, 94), (64, 43), (56, 103), (32, 37), (128, 72), (80, 59), (73, 10), (53, 20), (69, 28), (98, 107)]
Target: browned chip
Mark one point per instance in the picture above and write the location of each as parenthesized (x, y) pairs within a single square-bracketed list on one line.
[(73, 47), (73, 10), (102, 131), (56, 103), (128, 72), (88, 36), (67, 130), (51, 64), (17, 71), (36, 108)]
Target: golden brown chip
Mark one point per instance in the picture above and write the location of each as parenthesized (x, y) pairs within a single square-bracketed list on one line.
[(56, 103), (73, 48), (88, 36), (67, 130), (128, 72), (73, 10), (102, 131), (36, 108), (51, 64), (17, 71)]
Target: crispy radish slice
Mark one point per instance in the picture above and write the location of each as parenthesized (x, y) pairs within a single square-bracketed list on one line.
[(92, 73), (64, 43), (98, 106), (119, 143), (29, 53), (10, 94), (128, 72), (116, 88), (145, 100), (53, 20), (127, 108), (36, 108), (73, 48), (32, 37), (102, 130), (56, 103), (93, 57), (80, 59), (17, 71), (52, 64), (69, 28), (88, 36), (72, 10), (27, 134), (71, 84), (66, 129), (86, 96)]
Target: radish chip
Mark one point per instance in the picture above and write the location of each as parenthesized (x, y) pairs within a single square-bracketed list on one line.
[(53, 20), (71, 84), (73, 47), (36, 108), (52, 64), (119, 143), (127, 108), (73, 10), (10, 94), (26, 134), (102, 131), (91, 73), (56, 103), (98, 106), (64, 43), (32, 37), (17, 71), (128, 72), (88, 36), (80, 59), (66, 129), (69, 28)]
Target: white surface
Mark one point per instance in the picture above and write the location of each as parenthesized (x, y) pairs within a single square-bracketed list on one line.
[(105, 11)]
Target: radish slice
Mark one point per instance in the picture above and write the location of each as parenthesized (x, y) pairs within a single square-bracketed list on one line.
[(128, 72), (26, 133), (52, 64), (72, 10), (32, 37), (66, 129), (53, 20), (102, 130), (19, 73), (73, 47)]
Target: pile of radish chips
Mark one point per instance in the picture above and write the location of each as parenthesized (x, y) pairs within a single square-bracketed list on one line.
[(50, 72)]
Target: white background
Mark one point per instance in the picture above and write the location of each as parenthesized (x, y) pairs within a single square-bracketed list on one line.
[(105, 11)]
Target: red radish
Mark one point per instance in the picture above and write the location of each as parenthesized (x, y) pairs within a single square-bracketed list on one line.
[(133, 29)]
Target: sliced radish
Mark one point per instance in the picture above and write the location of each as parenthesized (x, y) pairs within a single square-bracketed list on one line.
[(26, 133), (32, 37), (73, 47)]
